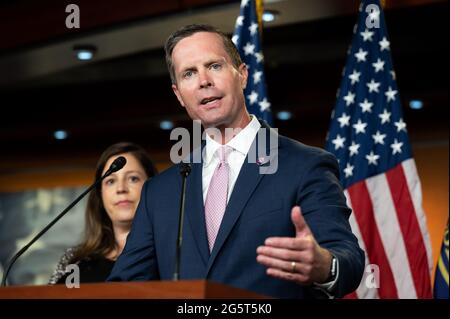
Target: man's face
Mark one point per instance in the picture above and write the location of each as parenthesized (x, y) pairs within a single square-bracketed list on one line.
[(208, 85)]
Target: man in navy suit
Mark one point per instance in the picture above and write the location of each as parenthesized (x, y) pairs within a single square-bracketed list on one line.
[(282, 233)]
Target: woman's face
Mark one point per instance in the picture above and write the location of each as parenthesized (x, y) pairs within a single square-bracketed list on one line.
[(121, 190)]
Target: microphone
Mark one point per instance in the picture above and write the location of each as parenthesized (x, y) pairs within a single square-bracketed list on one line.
[(116, 165), (185, 170)]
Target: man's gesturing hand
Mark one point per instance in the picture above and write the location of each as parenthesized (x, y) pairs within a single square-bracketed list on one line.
[(298, 258)]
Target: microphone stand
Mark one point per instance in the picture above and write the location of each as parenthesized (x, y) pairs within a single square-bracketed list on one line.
[(185, 170), (114, 167)]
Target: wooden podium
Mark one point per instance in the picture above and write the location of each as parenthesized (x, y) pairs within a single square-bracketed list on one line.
[(183, 289)]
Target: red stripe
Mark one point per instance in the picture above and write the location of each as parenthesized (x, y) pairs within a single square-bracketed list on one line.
[(412, 236), (351, 295), (364, 215)]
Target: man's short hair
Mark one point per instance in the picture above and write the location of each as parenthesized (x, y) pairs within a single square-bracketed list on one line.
[(191, 29)]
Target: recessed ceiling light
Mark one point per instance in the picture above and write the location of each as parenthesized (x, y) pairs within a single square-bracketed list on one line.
[(416, 104), (269, 15), (85, 52), (166, 125), (284, 115), (60, 135)]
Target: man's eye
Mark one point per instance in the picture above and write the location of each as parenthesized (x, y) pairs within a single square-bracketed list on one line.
[(216, 66), (187, 74)]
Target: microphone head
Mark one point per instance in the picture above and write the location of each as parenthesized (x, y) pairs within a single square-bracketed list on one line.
[(117, 164), (185, 169)]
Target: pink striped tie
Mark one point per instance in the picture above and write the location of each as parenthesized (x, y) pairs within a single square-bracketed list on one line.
[(216, 198)]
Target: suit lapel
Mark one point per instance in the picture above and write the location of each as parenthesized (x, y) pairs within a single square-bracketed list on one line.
[(195, 211), (248, 179)]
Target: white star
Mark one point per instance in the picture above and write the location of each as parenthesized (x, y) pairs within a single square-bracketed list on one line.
[(244, 3), (379, 65), (249, 48), (235, 39), (349, 98), (259, 56), (264, 105), (344, 120), (366, 106), (372, 158), (396, 147), (400, 125), (390, 94), (253, 97), (379, 138), (354, 77), (384, 44), (360, 127), (385, 116), (353, 148), (253, 28), (373, 86), (240, 21), (367, 35), (361, 55), (348, 170), (393, 75), (257, 77), (338, 142)]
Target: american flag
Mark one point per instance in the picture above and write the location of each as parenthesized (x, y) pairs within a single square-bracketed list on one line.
[(246, 37), (369, 137)]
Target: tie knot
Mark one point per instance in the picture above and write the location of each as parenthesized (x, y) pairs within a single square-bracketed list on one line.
[(224, 151)]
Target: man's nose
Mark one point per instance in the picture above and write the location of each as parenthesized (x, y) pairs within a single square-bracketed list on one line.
[(205, 80)]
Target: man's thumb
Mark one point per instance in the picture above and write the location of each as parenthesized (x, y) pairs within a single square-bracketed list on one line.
[(301, 227)]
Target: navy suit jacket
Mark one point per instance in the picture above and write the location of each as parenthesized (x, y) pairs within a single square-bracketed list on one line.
[(259, 207)]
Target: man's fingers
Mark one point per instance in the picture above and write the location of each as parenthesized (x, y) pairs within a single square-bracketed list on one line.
[(280, 274), (301, 227), (285, 254), (298, 243)]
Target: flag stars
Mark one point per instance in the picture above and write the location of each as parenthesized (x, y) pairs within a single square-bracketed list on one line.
[(252, 97), (378, 66), (354, 149), (354, 77), (396, 147), (344, 120), (360, 127), (385, 116), (401, 126), (249, 48), (259, 57), (338, 142), (372, 158), (378, 138), (367, 35), (264, 105), (253, 28), (373, 86), (257, 77), (361, 55), (240, 21), (348, 170), (349, 98), (384, 44), (390, 94), (366, 106), (235, 39)]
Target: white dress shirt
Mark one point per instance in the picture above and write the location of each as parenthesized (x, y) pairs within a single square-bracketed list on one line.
[(241, 145)]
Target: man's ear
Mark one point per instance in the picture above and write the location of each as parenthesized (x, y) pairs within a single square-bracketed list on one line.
[(178, 95), (243, 75)]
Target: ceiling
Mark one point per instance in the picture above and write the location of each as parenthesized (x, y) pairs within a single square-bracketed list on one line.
[(124, 93)]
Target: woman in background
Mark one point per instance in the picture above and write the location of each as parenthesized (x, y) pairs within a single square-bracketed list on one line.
[(109, 213)]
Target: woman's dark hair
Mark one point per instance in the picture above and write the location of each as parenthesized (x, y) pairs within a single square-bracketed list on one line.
[(99, 237)]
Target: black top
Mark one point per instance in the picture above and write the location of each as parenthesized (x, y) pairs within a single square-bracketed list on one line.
[(92, 269)]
